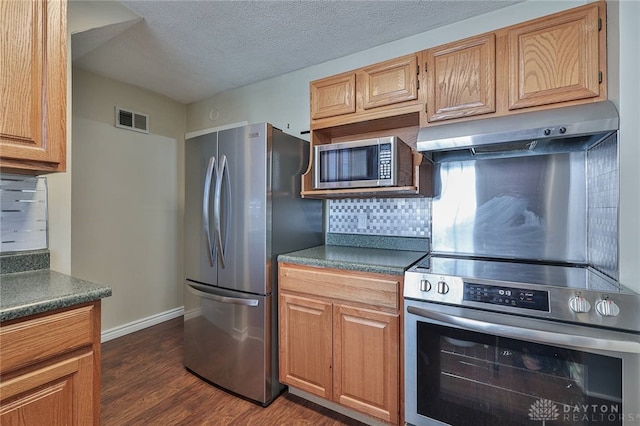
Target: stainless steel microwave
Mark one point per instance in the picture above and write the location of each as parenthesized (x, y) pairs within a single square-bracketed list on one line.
[(368, 163)]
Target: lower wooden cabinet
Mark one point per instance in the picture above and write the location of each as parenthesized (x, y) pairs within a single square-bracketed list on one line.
[(50, 366), (58, 394), (306, 344), (365, 361), (338, 345)]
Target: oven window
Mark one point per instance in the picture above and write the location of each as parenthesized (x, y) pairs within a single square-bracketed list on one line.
[(469, 378)]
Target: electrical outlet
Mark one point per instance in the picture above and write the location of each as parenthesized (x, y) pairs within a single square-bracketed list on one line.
[(362, 221)]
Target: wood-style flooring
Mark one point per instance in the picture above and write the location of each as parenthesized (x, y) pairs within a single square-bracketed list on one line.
[(145, 383)]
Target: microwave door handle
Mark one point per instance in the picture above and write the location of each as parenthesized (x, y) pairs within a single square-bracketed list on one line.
[(539, 336), (206, 196), (223, 299)]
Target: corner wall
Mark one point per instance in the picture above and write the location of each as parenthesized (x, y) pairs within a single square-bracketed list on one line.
[(127, 199)]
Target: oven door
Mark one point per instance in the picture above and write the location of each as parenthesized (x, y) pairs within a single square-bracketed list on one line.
[(470, 367)]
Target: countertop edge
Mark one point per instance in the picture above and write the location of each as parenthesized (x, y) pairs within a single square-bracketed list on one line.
[(335, 264), (40, 307), (360, 259), (36, 292)]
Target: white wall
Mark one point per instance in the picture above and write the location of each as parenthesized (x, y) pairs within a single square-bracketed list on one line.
[(127, 198), (284, 100)]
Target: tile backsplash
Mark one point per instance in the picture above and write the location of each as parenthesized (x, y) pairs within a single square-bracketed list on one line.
[(23, 213), (398, 217)]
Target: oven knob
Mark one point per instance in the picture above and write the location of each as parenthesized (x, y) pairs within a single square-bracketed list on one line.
[(425, 285), (443, 288), (607, 308), (579, 304)]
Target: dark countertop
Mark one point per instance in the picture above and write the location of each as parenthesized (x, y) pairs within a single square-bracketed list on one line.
[(34, 292), (364, 259)]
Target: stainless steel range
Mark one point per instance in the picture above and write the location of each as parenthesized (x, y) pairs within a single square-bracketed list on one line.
[(490, 342), (517, 317), (563, 293)]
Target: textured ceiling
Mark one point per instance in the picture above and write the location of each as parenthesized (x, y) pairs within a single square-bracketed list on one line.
[(191, 50)]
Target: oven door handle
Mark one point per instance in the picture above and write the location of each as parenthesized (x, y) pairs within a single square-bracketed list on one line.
[(533, 335)]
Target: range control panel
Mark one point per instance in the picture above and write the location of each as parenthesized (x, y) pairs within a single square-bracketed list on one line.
[(507, 296)]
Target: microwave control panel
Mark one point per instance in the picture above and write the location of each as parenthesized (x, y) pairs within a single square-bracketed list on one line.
[(507, 296), (384, 161)]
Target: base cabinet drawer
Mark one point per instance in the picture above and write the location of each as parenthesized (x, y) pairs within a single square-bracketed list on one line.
[(33, 340)]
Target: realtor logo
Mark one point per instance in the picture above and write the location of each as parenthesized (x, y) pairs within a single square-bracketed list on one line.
[(544, 409)]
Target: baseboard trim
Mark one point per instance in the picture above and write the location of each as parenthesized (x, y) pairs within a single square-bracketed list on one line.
[(123, 330)]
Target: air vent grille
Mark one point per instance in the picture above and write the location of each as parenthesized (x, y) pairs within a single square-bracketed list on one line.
[(504, 147), (131, 120)]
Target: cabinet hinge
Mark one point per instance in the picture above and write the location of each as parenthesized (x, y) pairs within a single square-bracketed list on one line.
[(599, 76), (418, 84), (418, 70), (599, 24)]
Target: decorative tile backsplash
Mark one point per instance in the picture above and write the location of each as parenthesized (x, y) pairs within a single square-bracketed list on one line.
[(602, 206), (23, 216), (399, 217)]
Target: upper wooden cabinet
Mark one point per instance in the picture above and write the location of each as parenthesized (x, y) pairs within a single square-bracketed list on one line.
[(375, 101), (549, 62), (33, 82), (377, 91), (461, 78), (389, 82), (335, 95), (556, 59)]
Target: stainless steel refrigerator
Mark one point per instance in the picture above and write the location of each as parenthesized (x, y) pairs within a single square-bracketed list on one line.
[(242, 209)]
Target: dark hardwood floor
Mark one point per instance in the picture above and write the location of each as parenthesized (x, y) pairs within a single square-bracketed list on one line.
[(145, 383)]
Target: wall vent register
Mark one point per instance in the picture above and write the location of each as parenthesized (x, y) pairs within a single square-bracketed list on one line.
[(131, 120)]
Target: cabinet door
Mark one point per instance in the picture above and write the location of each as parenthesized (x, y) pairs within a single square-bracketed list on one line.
[(33, 85), (334, 95), (366, 361), (554, 59), (58, 394), (305, 344), (461, 78), (389, 82)]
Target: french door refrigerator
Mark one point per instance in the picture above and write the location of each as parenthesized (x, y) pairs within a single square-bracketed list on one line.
[(242, 209)]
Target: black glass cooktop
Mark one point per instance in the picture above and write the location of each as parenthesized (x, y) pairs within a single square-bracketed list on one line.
[(556, 275)]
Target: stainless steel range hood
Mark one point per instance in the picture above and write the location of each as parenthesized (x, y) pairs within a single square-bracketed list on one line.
[(557, 130)]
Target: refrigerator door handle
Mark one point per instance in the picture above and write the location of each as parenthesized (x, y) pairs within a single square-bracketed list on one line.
[(223, 172), (211, 171), (223, 299)]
